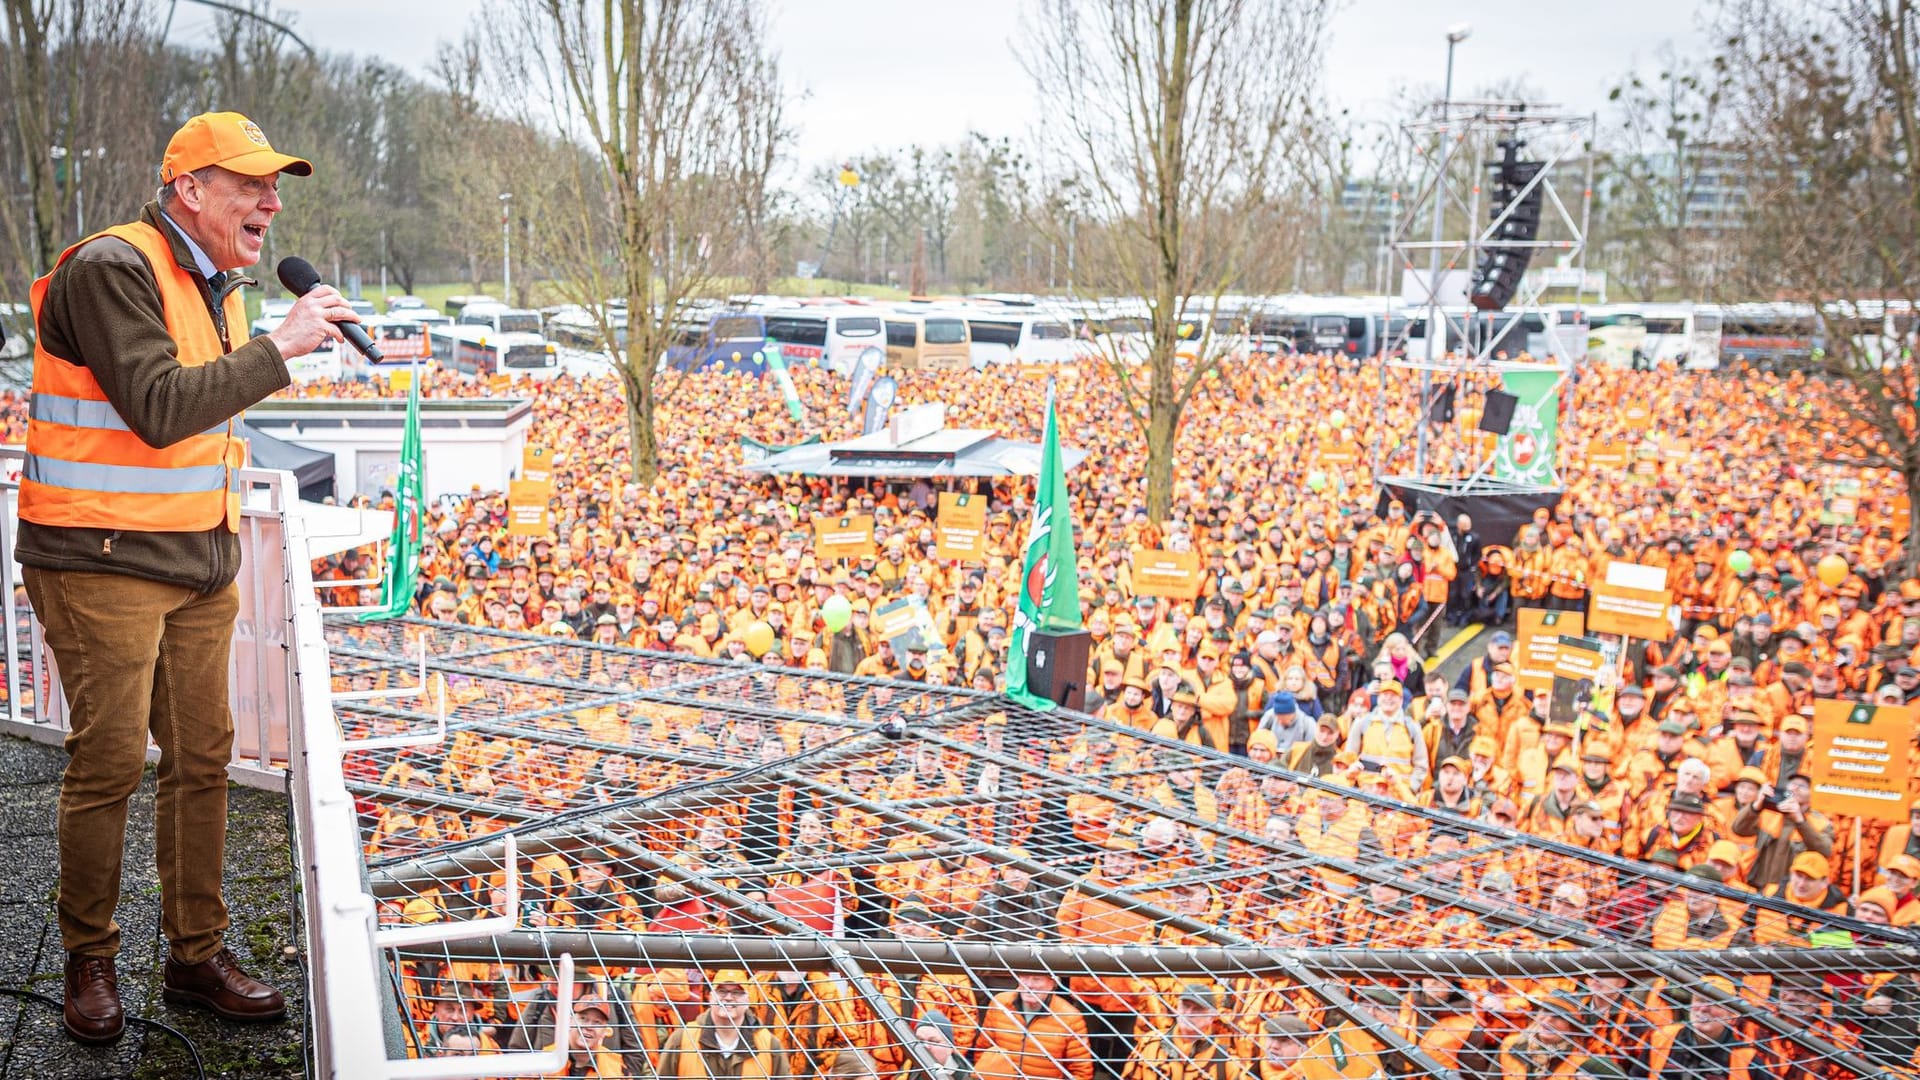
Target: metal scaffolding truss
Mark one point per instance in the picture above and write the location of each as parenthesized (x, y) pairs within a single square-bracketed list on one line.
[(876, 859), (1559, 140)]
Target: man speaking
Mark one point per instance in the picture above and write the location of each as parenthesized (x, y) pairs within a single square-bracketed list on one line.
[(129, 507)]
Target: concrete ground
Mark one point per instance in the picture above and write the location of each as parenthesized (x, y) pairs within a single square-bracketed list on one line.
[(34, 1046)]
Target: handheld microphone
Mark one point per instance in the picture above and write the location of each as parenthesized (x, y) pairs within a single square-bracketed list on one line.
[(299, 277)]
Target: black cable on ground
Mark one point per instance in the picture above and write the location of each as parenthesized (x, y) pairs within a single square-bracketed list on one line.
[(199, 1069)]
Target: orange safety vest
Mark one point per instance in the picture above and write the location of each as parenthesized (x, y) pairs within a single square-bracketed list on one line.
[(85, 468)]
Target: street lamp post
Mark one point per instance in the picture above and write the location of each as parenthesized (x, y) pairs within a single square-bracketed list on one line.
[(1436, 322), (59, 153), (506, 246)]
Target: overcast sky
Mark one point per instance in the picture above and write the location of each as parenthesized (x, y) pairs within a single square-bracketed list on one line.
[(878, 73)]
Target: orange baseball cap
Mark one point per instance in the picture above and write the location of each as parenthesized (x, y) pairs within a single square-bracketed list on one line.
[(230, 141)]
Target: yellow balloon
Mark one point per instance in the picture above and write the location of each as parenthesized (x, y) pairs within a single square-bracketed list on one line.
[(1832, 570), (758, 638)]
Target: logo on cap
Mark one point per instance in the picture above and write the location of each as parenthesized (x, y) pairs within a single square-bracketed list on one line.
[(253, 133)]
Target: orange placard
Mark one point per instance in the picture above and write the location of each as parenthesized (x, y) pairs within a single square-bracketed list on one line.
[(399, 380), (1636, 416), (500, 383), (1339, 453), (527, 508), (1857, 759), (1536, 644), (1608, 452), (960, 530), (1172, 574), (1635, 613), (536, 465), (844, 537)]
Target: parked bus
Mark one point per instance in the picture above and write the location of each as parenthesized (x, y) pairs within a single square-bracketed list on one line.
[(1512, 332), (1643, 335), (1876, 330), (402, 341), (500, 318), (1126, 335), (322, 363), (456, 304), (480, 352), (851, 328), (1770, 336), (1021, 335), (727, 340), (928, 341)]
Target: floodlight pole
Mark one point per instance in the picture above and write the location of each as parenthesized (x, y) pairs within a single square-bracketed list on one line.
[(1455, 35)]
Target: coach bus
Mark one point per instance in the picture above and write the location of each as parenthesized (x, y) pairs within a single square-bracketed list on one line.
[(402, 341), (479, 352), (928, 341), (1021, 335), (1770, 336), (727, 340), (1644, 335)]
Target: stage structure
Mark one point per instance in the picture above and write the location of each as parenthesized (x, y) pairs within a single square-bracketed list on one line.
[(1470, 309)]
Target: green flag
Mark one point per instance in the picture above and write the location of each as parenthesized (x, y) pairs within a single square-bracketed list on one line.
[(1050, 575), (403, 548)]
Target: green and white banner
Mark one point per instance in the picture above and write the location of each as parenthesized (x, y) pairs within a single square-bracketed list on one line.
[(1525, 454)]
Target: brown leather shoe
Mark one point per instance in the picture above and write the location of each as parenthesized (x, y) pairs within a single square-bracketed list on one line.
[(218, 985), (93, 1013)]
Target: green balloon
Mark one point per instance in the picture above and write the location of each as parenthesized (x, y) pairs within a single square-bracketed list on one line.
[(1316, 481), (1740, 562), (836, 613)]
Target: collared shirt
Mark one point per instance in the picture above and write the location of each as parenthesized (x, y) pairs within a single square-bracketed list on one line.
[(200, 257)]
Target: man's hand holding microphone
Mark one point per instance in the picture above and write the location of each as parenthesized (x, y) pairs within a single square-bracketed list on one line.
[(310, 324), (321, 314)]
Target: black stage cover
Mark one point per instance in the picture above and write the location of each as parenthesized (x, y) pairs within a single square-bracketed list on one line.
[(1498, 510)]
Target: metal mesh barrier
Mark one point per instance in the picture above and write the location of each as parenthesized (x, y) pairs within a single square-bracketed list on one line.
[(765, 872)]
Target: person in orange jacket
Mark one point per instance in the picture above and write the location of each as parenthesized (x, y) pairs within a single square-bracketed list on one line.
[(1113, 1000), (587, 1053), (1809, 885), (1191, 1049), (1549, 1048), (1032, 1032), (1706, 1043)]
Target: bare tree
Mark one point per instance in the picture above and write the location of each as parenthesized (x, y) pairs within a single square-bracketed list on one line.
[(1661, 154), (1356, 168), (1827, 114), (68, 68), (653, 90), (1178, 118)]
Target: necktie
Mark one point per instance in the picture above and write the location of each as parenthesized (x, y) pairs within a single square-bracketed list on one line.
[(216, 283)]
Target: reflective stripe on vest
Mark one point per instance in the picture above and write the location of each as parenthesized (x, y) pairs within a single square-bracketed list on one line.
[(86, 467), (125, 479), (79, 412)]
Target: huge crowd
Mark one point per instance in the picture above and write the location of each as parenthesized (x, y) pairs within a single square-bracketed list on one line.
[(1307, 646)]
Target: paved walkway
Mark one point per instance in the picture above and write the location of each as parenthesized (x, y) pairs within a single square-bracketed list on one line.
[(33, 1046)]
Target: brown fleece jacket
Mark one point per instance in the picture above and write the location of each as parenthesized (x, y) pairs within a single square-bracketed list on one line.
[(103, 311)]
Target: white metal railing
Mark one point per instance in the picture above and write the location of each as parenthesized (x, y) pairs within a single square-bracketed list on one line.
[(344, 941), (260, 672), (287, 737)]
